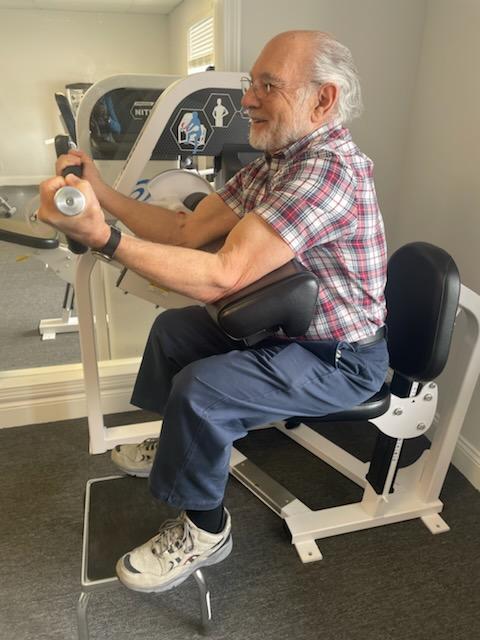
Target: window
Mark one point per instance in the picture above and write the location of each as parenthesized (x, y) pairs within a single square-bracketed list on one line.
[(200, 45)]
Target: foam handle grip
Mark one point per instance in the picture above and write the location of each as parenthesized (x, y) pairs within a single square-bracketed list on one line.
[(62, 146), (75, 169), (76, 247)]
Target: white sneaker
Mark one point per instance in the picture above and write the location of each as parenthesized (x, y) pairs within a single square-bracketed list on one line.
[(167, 559), (135, 459)]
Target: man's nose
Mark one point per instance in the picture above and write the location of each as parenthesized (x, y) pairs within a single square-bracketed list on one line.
[(249, 99)]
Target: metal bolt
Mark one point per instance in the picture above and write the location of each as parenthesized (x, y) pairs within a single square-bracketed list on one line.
[(432, 385), (428, 397), (397, 412), (421, 426)]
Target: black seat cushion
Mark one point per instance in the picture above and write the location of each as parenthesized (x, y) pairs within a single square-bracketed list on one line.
[(374, 407)]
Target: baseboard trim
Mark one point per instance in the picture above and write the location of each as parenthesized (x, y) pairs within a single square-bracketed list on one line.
[(49, 394), (466, 458)]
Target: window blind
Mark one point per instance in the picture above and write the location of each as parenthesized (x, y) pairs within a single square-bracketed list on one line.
[(200, 45)]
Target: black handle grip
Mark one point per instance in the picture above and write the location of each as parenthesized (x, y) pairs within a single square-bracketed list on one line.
[(75, 169), (62, 146)]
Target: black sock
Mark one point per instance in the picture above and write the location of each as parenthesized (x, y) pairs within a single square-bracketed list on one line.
[(212, 520)]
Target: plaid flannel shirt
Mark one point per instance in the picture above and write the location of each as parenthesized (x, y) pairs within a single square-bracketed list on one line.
[(319, 196)]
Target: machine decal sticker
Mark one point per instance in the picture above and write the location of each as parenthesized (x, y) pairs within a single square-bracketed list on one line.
[(202, 123), (191, 130), (141, 191), (141, 109), (220, 110)]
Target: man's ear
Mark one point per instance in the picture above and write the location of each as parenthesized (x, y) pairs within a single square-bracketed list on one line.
[(327, 96)]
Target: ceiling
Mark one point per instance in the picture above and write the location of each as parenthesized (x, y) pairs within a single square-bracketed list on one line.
[(110, 6)]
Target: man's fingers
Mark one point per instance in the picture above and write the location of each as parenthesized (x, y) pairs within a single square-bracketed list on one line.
[(83, 185), (80, 154), (49, 187), (68, 160)]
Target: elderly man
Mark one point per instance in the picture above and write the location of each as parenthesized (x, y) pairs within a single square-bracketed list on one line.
[(311, 197)]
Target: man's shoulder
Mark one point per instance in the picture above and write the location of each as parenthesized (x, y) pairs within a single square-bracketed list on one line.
[(315, 164)]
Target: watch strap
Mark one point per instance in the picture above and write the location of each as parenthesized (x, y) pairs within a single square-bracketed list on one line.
[(111, 245)]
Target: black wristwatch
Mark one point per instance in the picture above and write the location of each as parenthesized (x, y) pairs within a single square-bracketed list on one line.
[(107, 251)]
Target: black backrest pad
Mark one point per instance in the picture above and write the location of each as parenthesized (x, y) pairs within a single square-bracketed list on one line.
[(423, 288)]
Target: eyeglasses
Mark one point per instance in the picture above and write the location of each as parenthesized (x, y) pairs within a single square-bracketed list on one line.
[(261, 88)]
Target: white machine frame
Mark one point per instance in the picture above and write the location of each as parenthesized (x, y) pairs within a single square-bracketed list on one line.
[(417, 487)]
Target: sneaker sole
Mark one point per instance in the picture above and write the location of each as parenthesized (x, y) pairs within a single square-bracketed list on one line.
[(215, 558), (136, 474), (140, 473)]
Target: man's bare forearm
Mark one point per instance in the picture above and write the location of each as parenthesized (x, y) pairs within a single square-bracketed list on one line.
[(147, 221), (201, 275)]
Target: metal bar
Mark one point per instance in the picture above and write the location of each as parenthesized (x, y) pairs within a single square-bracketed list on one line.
[(460, 380), (88, 348), (82, 611), (345, 519), (205, 601), (392, 468), (269, 491)]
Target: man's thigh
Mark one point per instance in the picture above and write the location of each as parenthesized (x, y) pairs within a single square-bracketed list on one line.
[(263, 384)]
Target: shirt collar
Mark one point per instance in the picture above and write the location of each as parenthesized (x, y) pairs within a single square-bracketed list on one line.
[(322, 133)]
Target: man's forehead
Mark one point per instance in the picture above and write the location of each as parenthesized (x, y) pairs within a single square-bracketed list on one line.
[(266, 76), (279, 62)]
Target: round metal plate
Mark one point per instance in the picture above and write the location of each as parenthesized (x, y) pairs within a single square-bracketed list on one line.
[(172, 185)]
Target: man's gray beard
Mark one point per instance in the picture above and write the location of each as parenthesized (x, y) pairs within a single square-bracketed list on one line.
[(273, 141)]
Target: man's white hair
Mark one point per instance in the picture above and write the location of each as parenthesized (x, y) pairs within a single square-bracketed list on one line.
[(333, 62)]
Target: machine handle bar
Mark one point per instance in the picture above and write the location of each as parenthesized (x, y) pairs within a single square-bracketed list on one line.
[(68, 200)]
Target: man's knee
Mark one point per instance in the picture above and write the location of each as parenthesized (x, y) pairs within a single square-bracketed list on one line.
[(197, 390), (175, 321), (166, 320)]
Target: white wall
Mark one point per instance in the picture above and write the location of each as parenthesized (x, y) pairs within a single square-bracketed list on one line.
[(41, 51), (439, 199), (385, 37), (179, 21)]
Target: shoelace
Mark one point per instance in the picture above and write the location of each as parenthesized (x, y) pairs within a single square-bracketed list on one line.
[(149, 444), (172, 532)]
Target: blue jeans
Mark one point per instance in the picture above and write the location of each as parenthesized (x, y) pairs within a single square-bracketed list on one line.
[(211, 390)]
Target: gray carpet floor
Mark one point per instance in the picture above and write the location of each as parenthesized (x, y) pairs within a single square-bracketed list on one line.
[(29, 293), (397, 582)]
